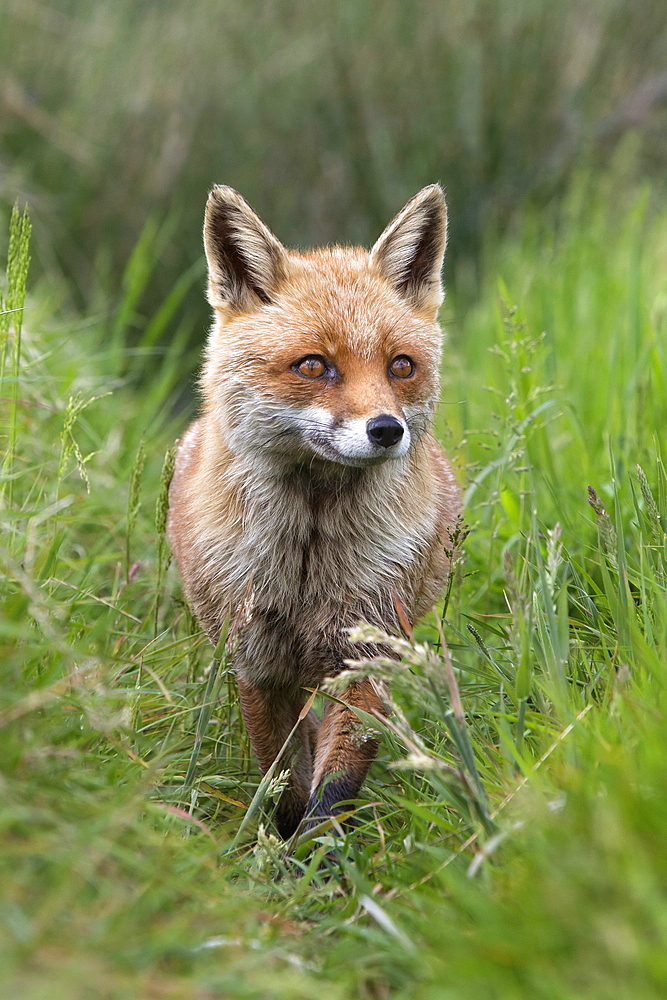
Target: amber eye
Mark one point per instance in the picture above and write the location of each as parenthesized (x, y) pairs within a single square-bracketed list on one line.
[(311, 367), (402, 366)]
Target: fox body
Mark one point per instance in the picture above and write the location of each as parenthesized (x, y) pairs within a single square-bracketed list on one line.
[(310, 495)]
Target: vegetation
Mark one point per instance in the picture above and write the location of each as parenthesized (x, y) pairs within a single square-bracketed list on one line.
[(510, 840), (327, 117)]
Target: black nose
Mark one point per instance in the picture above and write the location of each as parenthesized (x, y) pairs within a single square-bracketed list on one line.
[(384, 430)]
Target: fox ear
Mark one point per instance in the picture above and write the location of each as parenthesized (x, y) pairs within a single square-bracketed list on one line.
[(245, 260), (410, 252)]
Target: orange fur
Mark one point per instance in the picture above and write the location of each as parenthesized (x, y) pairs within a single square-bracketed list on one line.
[(317, 501)]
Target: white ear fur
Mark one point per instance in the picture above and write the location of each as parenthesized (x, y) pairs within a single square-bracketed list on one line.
[(410, 251), (245, 260)]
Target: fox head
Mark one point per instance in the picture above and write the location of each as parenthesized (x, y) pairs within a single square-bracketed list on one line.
[(330, 356)]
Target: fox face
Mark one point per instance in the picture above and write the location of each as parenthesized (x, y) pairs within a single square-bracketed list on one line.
[(328, 358)]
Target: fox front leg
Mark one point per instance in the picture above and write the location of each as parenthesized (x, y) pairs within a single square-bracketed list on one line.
[(345, 750), (269, 716)]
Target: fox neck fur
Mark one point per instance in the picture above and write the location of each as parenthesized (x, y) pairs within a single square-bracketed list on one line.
[(311, 550)]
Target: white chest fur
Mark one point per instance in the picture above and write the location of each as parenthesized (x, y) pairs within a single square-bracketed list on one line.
[(307, 542)]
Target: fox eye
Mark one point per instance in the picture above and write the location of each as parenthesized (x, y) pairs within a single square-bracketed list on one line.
[(311, 367), (402, 366)]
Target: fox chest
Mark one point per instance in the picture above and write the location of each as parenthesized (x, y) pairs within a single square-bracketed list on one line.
[(312, 565), (307, 573)]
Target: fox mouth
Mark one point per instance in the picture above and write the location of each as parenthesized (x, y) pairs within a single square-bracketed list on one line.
[(312, 434), (357, 442), (324, 448), (360, 452)]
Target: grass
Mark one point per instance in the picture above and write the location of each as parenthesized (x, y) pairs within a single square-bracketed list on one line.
[(499, 101), (510, 840)]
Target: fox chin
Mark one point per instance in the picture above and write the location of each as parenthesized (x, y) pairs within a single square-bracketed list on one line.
[(310, 494)]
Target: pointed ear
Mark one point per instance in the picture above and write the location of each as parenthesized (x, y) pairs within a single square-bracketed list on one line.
[(410, 252), (245, 260)]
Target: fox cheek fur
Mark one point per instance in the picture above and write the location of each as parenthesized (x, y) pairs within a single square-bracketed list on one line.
[(310, 494)]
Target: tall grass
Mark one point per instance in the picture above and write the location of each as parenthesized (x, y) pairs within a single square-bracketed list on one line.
[(327, 117), (509, 842)]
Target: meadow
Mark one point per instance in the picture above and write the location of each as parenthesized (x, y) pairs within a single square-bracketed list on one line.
[(510, 841), (325, 117)]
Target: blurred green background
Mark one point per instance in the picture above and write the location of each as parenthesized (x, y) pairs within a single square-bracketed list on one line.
[(327, 117)]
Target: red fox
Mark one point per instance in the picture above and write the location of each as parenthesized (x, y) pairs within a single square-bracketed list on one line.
[(310, 496)]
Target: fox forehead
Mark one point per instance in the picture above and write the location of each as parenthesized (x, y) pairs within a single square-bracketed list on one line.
[(332, 302)]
